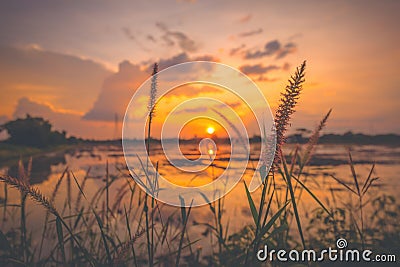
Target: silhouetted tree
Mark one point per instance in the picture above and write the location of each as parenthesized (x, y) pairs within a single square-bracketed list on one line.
[(32, 131)]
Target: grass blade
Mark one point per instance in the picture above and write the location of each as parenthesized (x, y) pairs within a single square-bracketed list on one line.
[(178, 257), (312, 195), (183, 209), (353, 172), (4, 244), (130, 236), (368, 178), (99, 223), (60, 237), (292, 196), (271, 222), (252, 206), (103, 236), (344, 184)]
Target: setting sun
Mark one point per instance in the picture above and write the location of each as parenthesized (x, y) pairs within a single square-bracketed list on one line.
[(210, 130)]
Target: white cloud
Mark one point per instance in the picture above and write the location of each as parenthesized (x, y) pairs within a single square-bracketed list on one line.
[(66, 81), (72, 123), (116, 92)]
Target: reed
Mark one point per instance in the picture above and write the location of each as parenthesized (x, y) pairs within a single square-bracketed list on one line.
[(286, 107), (52, 199), (133, 229), (151, 108), (359, 192)]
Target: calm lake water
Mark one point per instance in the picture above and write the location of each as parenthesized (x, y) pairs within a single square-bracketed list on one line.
[(328, 160)]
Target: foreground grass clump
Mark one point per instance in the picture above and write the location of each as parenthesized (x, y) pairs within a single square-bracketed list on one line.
[(83, 236), (119, 225)]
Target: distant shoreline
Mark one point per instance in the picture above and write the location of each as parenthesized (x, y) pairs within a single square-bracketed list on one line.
[(9, 152), (337, 139)]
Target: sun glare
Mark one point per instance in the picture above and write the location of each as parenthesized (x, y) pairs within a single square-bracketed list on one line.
[(210, 130)]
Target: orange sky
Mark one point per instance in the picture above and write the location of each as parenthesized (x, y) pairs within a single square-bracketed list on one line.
[(78, 64)]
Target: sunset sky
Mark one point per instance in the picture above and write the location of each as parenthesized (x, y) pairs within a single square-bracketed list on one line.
[(78, 63)]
